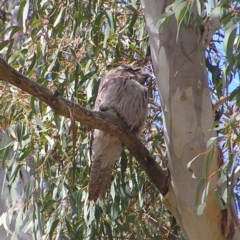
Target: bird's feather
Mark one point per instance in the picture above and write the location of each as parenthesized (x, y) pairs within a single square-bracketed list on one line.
[(119, 91)]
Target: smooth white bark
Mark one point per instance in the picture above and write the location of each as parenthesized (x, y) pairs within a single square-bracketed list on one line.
[(187, 117)]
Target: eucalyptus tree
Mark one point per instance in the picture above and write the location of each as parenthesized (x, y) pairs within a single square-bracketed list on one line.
[(66, 47), (202, 158)]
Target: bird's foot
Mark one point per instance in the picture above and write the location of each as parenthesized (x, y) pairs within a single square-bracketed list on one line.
[(104, 108), (110, 110)]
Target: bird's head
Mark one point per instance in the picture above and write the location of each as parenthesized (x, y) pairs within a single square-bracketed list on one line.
[(140, 75)]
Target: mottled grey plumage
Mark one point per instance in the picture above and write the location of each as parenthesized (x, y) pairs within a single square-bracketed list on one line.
[(121, 91)]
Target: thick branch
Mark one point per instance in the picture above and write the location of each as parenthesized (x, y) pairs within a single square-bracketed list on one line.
[(91, 119), (211, 26)]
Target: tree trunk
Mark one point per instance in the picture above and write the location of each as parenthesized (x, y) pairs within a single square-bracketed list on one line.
[(188, 118)]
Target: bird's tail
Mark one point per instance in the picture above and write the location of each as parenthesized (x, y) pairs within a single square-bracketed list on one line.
[(106, 150)]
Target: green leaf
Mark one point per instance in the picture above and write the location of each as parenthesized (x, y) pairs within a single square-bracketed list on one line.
[(50, 140), (228, 44), (163, 19), (108, 230), (86, 77), (205, 193), (178, 7), (58, 17), (221, 204), (53, 62), (4, 44), (111, 21), (189, 166), (208, 161), (57, 121), (53, 227), (25, 13), (200, 208), (213, 141), (48, 204), (39, 123), (30, 187), (27, 151), (14, 29), (216, 13), (181, 11), (233, 122), (36, 23), (133, 9), (114, 211), (200, 7), (198, 190), (32, 65), (20, 16)]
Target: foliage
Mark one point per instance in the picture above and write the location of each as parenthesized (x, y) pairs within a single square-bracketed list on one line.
[(67, 46), (223, 64)]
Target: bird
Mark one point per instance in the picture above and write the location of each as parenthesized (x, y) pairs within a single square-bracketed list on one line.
[(121, 91)]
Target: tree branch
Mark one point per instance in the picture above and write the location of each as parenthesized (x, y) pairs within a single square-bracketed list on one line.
[(221, 101), (92, 120), (210, 27)]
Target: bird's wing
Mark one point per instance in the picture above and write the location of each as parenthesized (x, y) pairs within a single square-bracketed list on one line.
[(127, 98)]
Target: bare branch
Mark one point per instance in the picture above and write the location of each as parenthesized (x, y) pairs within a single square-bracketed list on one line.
[(221, 101), (92, 120), (155, 223), (209, 30)]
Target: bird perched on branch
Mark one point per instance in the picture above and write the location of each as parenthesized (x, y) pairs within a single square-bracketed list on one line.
[(121, 90)]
